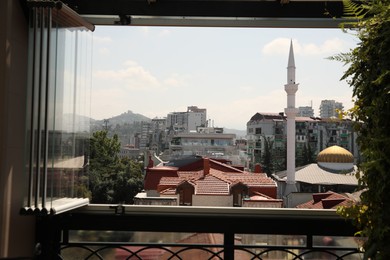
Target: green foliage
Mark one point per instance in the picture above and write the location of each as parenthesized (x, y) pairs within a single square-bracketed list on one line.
[(354, 10), (369, 75), (305, 157), (112, 180), (266, 159)]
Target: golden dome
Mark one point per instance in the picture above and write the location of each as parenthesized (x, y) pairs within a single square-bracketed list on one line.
[(335, 154)]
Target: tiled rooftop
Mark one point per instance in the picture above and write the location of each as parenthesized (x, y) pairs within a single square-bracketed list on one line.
[(211, 185), (328, 200)]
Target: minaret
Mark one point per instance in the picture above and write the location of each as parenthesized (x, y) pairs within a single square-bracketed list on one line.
[(291, 88)]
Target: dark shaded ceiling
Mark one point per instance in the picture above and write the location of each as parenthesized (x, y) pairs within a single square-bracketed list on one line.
[(235, 13)]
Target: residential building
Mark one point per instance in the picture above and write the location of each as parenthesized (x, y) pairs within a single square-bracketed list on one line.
[(306, 111), (264, 128), (159, 141), (203, 144), (145, 135), (330, 108), (187, 121), (312, 134), (198, 181), (129, 151), (327, 200)]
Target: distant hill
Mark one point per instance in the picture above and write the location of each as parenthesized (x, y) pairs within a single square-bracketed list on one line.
[(239, 133), (117, 124), (125, 118), (73, 123)]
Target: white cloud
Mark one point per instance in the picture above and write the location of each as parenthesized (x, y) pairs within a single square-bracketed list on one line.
[(237, 113), (133, 76), (280, 46), (277, 46), (104, 51), (102, 40)]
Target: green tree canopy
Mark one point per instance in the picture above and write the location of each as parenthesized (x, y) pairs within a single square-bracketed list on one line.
[(266, 159), (112, 180), (369, 76)]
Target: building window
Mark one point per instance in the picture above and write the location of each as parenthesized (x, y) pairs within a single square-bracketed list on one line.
[(258, 131), (239, 192), (185, 191)]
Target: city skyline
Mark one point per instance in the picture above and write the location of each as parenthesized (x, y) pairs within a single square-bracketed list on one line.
[(231, 72)]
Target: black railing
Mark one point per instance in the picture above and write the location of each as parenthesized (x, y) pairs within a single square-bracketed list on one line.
[(103, 232)]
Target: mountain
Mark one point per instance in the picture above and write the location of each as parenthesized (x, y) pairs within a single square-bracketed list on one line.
[(73, 123), (125, 118), (239, 133)]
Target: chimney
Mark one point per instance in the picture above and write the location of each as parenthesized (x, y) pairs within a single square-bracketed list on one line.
[(206, 166), (150, 162), (258, 168)]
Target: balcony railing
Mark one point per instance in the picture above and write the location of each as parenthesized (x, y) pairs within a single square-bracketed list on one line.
[(235, 233)]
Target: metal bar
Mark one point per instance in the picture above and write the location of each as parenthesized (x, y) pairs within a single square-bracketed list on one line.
[(292, 9), (47, 92), (39, 133), (32, 131), (228, 241)]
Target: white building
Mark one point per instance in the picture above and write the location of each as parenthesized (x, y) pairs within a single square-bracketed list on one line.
[(306, 111), (187, 121), (329, 108)]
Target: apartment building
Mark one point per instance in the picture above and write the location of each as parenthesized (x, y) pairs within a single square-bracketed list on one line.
[(330, 108), (317, 133), (306, 111), (187, 121)]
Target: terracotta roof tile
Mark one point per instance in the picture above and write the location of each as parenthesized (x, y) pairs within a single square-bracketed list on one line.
[(211, 185), (328, 200), (169, 191), (218, 180)]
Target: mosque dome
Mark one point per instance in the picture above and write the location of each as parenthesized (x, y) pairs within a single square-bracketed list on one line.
[(335, 154), (335, 159)]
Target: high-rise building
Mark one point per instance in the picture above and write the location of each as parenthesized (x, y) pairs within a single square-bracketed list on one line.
[(187, 121), (314, 132), (306, 111), (330, 108)]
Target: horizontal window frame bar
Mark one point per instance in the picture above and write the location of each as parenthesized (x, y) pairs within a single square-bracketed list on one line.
[(207, 220)]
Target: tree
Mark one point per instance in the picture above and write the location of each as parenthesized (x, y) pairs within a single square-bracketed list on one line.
[(266, 158), (112, 180), (369, 76)]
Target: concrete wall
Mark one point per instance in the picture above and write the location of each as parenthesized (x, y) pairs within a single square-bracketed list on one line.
[(262, 204), (215, 201), (16, 232)]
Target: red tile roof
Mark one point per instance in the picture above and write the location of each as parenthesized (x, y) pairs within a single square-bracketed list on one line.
[(211, 185), (328, 200), (217, 182)]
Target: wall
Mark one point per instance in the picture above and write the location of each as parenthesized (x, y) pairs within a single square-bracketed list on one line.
[(212, 200), (16, 232)]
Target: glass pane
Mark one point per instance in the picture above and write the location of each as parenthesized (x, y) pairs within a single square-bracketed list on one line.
[(58, 109)]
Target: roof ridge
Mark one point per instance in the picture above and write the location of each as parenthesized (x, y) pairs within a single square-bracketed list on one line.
[(222, 178), (225, 165)]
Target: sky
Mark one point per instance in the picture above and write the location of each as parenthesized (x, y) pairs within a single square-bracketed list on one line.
[(232, 72)]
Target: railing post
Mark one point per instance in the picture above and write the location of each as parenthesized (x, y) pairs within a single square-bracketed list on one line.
[(228, 246), (49, 238)]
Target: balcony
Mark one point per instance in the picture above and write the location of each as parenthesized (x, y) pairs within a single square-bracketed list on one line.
[(238, 233)]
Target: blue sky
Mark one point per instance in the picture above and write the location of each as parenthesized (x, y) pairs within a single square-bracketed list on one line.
[(232, 72)]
